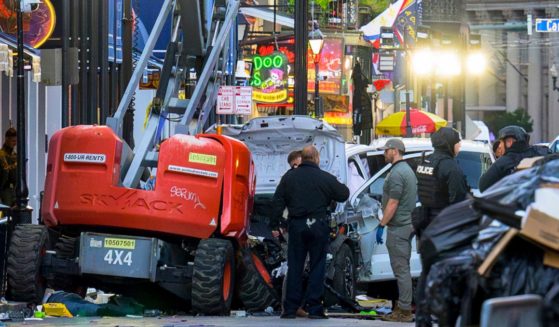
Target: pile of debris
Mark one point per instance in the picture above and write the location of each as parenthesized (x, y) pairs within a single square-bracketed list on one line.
[(496, 258)]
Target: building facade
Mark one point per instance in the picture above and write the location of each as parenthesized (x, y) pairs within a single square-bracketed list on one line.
[(520, 62)]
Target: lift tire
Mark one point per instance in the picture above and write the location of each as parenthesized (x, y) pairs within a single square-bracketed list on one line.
[(213, 277), (343, 281), (256, 289), (65, 248), (27, 247)]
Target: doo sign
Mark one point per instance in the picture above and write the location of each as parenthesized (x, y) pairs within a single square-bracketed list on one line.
[(234, 100), (547, 25)]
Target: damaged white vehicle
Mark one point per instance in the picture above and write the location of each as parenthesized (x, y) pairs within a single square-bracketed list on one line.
[(354, 255)]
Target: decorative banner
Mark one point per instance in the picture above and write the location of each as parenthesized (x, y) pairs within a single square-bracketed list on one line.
[(269, 78), (406, 23), (402, 16), (330, 67)]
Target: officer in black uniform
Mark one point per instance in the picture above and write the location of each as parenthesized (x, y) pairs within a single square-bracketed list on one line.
[(440, 183), (517, 147), (307, 192)]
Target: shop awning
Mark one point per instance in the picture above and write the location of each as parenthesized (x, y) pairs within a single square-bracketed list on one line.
[(268, 15), (8, 46)]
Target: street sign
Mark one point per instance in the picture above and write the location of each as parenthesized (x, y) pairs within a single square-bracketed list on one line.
[(547, 25), (386, 61), (243, 100), (225, 100)]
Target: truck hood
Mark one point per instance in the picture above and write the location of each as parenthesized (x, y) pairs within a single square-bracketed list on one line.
[(271, 139)]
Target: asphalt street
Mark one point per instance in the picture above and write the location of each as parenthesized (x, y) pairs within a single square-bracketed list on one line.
[(190, 321)]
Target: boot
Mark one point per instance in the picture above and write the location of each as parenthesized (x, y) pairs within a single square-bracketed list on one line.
[(399, 315), (301, 313)]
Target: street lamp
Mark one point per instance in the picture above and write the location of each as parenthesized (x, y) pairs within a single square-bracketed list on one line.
[(316, 42), (476, 63), (21, 211)]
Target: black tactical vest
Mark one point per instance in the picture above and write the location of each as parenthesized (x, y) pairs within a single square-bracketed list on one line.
[(432, 193)]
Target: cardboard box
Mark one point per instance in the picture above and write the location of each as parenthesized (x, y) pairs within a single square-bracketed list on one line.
[(491, 258), (551, 259), (541, 228)]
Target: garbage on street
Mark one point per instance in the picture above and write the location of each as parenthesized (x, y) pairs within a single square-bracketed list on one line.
[(496, 256)]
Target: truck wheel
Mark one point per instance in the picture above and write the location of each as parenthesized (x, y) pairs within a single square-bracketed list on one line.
[(344, 276), (27, 247), (213, 277), (256, 289), (65, 248)]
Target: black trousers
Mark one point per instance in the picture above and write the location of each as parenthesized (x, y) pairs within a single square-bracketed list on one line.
[(306, 236), (422, 313)]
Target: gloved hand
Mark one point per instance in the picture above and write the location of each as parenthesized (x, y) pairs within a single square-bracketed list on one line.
[(380, 230)]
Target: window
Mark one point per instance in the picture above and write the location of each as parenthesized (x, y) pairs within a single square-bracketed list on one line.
[(473, 164)]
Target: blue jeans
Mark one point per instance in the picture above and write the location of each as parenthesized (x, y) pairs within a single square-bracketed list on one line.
[(304, 238)]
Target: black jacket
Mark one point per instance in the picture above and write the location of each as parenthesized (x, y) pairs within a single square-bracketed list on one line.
[(450, 174), (452, 185), (506, 164), (307, 192)]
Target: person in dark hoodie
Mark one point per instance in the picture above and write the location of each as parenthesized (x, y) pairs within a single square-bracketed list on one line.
[(440, 183), (516, 142)]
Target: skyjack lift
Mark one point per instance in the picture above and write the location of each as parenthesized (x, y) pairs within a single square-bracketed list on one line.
[(190, 41)]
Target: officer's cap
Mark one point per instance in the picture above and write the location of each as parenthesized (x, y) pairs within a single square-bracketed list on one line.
[(394, 144)]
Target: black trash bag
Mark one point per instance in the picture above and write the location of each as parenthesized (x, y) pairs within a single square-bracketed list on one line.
[(502, 212), (455, 227), (488, 236), (520, 270), (517, 190), (551, 307), (448, 284)]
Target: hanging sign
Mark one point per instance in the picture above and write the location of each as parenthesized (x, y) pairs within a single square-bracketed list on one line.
[(269, 78)]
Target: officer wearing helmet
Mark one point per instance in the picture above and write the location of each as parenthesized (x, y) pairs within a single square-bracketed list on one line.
[(517, 147), (440, 183)]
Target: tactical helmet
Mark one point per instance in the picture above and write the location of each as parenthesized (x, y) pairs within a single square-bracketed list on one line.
[(516, 132)]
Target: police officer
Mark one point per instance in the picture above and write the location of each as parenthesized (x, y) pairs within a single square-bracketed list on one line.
[(307, 193), (441, 183), (294, 160), (516, 143)]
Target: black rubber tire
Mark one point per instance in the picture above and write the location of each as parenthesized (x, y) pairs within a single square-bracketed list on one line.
[(65, 248), (212, 257), (27, 246), (344, 279), (255, 290)]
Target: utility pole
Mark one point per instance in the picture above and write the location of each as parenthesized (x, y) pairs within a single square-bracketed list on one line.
[(21, 212), (301, 41)]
